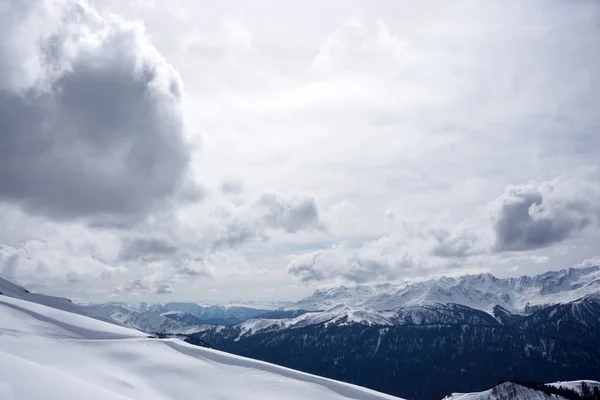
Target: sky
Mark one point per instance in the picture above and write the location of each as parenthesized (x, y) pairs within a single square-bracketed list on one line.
[(208, 151)]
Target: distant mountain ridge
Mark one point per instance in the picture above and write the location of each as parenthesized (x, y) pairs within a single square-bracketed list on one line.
[(481, 291), (174, 317)]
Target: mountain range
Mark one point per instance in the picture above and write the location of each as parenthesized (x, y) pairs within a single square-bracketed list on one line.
[(420, 340), (481, 291), (381, 304)]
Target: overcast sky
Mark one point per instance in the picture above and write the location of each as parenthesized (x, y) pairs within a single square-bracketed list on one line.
[(254, 150)]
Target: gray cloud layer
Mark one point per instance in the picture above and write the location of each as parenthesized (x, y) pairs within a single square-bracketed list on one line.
[(533, 216), (90, 113), (146, 248), (525, 217), (291, 213), (384, 259)]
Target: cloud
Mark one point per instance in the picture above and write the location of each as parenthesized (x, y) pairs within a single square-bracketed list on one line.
[(163, 289), (237, 35), (146, 249), (232, 186), (591, 262), (383, 259), (533, 216), (73, 258), (458, 244), (540, 259), (291, 213), (523, 218), (90, 113), (140, 287), (68, 259), (376, 122)]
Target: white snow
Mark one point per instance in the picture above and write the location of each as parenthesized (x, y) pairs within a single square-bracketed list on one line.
[(574, 385), (54, 354), (11, 290), (505, 391), (339, 315), (511, 390)]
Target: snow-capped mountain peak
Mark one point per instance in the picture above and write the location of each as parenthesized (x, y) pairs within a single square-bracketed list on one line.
[(480, 291)]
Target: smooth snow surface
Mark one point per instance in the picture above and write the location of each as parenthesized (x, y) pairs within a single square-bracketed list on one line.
[(11, 290), (47, 353)]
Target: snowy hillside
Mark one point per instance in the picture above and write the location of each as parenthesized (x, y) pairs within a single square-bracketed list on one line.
[(575, 385), (506, 391), (72, 356), (482, 291), (511, 390), (11, 290)]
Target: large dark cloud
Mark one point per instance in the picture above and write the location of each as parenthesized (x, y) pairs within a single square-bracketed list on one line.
[(90, 113), (533, 216)]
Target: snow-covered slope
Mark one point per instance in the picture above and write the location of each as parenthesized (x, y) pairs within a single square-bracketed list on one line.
[(511, 390), (11, 290), (505, 391), (49, 353), (575, 385), (482, 291)]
